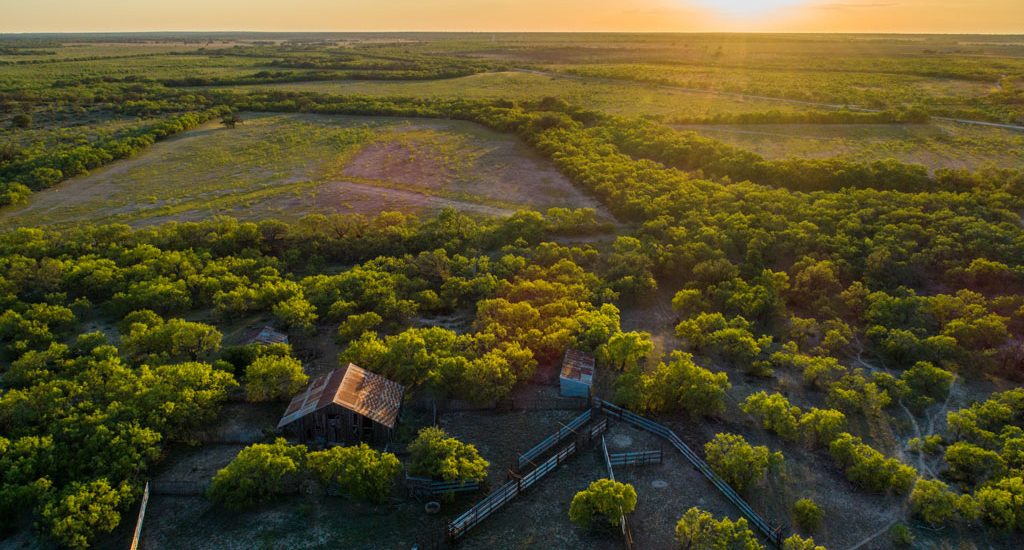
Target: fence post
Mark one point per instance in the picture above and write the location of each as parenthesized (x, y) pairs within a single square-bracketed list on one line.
[(142, 515)]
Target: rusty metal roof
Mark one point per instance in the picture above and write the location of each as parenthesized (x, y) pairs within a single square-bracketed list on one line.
[(358, 390), (578, 365)]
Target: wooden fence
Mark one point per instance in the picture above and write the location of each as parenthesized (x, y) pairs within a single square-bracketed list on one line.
[(637, 458), (142, 515), (772, 534), (526, 403), (481, 510), (627, 531), (565, 431), (423, 487)]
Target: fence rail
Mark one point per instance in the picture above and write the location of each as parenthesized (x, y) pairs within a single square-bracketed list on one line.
[(774, 535), (481, 510), (565, 431), (422, 486), (638, 458), (137, 536)]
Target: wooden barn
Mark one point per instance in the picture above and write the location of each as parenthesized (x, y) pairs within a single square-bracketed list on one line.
[(577, 374), (343, 407)]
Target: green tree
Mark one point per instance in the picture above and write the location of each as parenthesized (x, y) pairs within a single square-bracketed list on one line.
[(699, 530), (822, 426), (970, 463), (932, 501), (296, 313), (869, 468), (272, 377), (1001, 503), (738, 462), (775, 413), (796, 542), (433, 454), (679, 384), (356, 324), (807, 514), (606, 498), (360, 471), (628, 349), (925, 383), (159, 341), (84, 510), (257, 474)]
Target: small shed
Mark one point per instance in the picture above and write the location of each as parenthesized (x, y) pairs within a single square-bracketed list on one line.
[(268, 335), (577, 374), (343, 407)]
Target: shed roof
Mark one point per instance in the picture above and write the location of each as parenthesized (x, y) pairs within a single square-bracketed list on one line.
[(358, 390), (269, 335), (578, 365)]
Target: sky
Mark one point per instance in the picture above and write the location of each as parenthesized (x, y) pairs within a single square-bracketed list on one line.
[(924, 16)]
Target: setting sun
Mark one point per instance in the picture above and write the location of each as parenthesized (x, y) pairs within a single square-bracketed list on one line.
[(950, 16)]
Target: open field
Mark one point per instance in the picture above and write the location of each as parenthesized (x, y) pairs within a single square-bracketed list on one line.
[(935, 145), (286, 166), (628, 99)]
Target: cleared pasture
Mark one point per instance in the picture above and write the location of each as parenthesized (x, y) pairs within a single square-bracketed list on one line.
[(935, 145), (285, 166), (626, 98)]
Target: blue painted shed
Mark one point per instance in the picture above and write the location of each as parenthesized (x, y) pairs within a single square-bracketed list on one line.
[(577, 374)]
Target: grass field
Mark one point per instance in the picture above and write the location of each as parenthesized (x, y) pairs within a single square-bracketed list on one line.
[(625, 98), (287, 166), (935, 145)]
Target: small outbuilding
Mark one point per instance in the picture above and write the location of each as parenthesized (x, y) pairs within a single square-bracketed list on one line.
[(267, 336), (577, 376), (344, 407)]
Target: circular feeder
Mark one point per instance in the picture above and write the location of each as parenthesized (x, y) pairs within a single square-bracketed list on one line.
[(432, 507), (659, 484), (621, 441)]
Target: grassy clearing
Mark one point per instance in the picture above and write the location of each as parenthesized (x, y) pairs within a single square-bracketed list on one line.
[(935, 145), (153, 67), (627, 98), (80, 50), (289, 165)]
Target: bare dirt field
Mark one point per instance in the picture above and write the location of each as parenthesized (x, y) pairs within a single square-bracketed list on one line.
[(286, 166)]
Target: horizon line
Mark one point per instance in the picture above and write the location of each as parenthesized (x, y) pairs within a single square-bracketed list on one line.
[(180, 31)]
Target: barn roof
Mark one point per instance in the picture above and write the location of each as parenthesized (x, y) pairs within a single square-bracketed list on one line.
[(358, 390), (578, 365)]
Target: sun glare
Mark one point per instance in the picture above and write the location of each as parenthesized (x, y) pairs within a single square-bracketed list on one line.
[(747, 8)]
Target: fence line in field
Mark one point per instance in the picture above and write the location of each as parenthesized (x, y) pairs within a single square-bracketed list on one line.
[(636, 458), (481, 510), (565, 431), (627, 532), (774, 535), (422, 486)]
